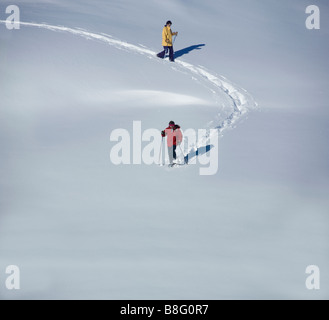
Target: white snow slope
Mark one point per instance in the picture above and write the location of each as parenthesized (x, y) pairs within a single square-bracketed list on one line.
[(80, 227)]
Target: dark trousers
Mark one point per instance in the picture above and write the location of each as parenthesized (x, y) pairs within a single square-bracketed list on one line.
[(172, 154), (163, 53)]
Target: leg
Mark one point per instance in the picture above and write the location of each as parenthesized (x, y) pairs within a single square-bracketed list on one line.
[(171, 154), (174, 152), (171, 54), (162, 53)]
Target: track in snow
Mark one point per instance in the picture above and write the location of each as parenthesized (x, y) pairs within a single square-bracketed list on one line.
[(242, 101)]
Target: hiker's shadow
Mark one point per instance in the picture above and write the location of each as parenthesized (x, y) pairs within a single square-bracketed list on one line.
[(198, 152), (187, 50)]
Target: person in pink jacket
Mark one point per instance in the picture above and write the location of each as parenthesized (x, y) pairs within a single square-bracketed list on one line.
[(174, 138)]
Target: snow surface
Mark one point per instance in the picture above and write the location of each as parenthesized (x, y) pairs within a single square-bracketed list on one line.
[(80, 227)]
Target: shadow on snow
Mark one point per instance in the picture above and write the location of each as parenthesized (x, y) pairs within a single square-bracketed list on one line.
[(195, 153), (187, 50)]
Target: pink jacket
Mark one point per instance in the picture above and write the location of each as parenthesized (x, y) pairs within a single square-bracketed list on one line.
[(174, 136)]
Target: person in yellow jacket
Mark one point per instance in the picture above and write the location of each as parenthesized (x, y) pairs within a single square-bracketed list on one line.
[(167, 42)]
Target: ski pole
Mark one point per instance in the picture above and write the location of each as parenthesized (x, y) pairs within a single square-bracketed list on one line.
[(182, 153), (160, 151)]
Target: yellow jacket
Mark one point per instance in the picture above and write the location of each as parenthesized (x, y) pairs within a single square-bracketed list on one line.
[(167, 36)]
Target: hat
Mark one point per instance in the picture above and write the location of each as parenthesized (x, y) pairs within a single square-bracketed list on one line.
[(168, 22), (171, 123)]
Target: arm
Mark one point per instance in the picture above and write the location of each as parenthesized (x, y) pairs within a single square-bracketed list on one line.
[(165, 35), (163, 133), (179, 137)]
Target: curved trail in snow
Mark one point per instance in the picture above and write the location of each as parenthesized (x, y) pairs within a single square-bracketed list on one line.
[(242, 101)]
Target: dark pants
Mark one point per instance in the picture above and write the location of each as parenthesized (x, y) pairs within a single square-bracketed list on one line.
[(163, 53), (172, 153)]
